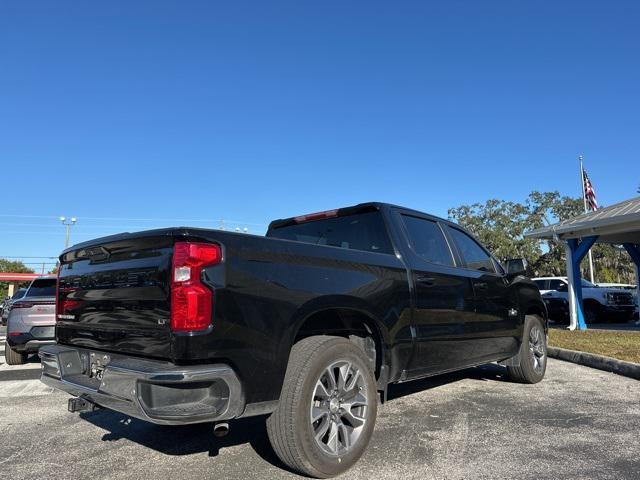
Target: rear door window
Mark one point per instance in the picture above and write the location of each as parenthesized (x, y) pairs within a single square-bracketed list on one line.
[(473, 255), (557, 285), (362, 231), (45, 287), (540, 284), (427, 240)]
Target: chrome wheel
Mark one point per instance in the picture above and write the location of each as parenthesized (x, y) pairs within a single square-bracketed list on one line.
[(339, 407), (537, 349)]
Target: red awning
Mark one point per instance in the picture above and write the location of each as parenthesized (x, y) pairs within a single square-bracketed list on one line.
[(18, 277)]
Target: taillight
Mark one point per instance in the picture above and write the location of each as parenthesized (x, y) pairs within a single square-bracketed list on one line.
[(309, 217), (191, 301), (22, 305), (58, 305)]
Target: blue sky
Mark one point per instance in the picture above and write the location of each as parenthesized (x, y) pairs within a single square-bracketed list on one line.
[(141, 114)]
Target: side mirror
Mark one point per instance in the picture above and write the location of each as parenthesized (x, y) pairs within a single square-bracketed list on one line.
[(516, 266)]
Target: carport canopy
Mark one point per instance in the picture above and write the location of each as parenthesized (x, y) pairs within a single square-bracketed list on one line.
[(12, 278), (617, 224)]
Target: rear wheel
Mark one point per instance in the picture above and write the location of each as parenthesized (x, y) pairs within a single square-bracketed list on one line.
[(12, 357), (327, 407), (533, 352)]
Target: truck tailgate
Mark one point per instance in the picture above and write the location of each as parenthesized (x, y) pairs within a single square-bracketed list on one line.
[(114, 295)]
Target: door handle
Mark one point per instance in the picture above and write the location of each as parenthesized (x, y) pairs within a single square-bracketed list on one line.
[(424, 280), (481, 285)]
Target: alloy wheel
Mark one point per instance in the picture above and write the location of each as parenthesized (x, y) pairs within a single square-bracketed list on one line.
[(538, 349), (339, 407)]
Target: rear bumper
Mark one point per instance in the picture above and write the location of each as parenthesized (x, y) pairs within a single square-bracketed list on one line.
[(155, 391), (30, 342)]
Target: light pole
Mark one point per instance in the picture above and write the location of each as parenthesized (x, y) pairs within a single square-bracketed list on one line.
[(68, 223)]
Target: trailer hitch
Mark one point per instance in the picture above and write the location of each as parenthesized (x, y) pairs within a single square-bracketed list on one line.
[(79, 404)]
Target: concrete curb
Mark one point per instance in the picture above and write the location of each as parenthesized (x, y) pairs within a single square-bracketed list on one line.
[(608, 364)]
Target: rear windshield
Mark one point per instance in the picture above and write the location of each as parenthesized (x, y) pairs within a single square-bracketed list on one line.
[(363, 231), (19, 294), (45, 287)]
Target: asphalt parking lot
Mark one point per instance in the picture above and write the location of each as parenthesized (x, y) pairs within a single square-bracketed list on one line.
[(577, 423)]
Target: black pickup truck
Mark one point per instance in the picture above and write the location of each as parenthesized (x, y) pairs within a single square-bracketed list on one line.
[(306, 326)]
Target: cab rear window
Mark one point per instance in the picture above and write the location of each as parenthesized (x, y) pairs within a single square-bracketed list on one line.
[(363, 231)]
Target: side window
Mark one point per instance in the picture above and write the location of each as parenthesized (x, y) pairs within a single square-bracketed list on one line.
[(473, 255), (498, 267), (558, 285), (428, 240), (540, 284)]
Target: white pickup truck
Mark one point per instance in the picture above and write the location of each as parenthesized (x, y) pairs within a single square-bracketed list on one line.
[(608, 304)]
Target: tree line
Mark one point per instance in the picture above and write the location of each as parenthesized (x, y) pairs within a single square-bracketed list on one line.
[(501, 225), (13, 267)]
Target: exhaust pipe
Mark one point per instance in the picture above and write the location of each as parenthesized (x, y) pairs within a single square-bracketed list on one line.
[(221, 429)]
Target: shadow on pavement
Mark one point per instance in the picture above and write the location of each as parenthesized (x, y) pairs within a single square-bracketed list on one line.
[(198, 438), (490, 372), (187, 439)]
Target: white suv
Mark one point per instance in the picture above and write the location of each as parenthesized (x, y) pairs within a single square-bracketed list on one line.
[(31, 321), (600, 303)]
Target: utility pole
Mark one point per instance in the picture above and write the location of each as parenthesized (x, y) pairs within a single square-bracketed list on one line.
[(68, 223), (584, 201)]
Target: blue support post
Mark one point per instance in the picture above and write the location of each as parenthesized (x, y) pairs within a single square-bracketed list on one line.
[(578, 251), (634, 252)]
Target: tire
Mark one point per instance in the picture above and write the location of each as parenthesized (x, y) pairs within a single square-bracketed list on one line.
[(533, 353), (592, 312), (12, 357), (344, 428)]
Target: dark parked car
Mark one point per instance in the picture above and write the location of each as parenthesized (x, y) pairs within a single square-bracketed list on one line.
[(558, 310), (308, 326), (5, 308)]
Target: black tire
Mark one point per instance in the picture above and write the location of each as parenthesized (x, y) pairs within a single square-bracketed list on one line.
[(592, 312), (291, 429), (533, 352), (12, 357)]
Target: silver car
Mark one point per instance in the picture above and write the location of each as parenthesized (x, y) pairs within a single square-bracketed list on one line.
[(31, 321)]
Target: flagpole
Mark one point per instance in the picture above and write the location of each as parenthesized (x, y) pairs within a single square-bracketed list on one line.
[(584, 201)]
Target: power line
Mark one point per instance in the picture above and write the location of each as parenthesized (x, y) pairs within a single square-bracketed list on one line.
[(25, 216), (187, 220), (25, 256), (39, 263)]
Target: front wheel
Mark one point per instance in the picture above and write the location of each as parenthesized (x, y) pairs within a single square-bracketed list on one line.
[(327, 407), (533, 352)]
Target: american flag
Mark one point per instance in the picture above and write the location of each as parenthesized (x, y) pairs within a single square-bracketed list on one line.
[(589, 192)]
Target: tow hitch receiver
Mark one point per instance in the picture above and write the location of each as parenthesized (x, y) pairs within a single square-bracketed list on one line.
[(78, 404)]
